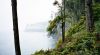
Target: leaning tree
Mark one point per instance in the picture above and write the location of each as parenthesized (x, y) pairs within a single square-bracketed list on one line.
[(15, 27)]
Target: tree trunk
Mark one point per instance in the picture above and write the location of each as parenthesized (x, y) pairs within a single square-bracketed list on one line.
[(63, 21), (98, 1), (89, 15), (15, 27)]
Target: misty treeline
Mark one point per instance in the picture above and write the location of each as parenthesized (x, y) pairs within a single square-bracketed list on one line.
[(78, 22), (77, 26)]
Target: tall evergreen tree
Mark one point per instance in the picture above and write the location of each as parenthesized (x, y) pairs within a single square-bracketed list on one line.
[(62, 7), (15, 27), (89, 15), (63, 23)]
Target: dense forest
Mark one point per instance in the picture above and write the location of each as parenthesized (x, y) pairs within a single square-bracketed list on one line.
[(77, 26)]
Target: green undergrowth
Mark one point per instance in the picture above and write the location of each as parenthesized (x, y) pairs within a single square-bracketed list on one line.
[(77, 41), (96, 9)]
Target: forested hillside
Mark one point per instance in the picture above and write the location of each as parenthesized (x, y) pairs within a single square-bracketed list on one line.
[(81, 19)]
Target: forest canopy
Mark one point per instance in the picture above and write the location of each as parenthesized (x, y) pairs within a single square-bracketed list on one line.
[(82, 29)]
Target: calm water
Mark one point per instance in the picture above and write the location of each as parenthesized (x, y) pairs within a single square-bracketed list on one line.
[(6, 43), (30, 41), (33, 36)]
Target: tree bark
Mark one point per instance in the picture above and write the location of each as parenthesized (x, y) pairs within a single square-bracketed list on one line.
[(15, 27), (63, 21), (98, 1), (89, 15)]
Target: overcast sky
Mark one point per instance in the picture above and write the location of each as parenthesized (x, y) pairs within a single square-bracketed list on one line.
[(35, 11), (29, 12)]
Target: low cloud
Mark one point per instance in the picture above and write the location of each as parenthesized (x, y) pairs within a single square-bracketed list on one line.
[(38, 27)]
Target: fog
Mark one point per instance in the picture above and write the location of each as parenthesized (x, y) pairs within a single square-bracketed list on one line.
[(33, 17)]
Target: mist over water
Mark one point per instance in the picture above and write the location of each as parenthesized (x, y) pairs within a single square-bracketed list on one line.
[(33, 17), (6, 43), (36, 39), (29, 41)]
